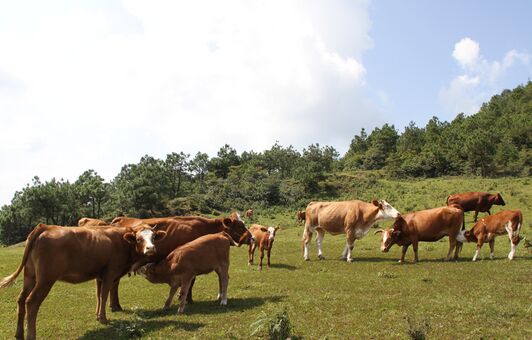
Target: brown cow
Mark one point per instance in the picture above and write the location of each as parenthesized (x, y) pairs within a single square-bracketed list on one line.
[(426, 225), (508, 221), (263, 237), (475, 201), (86, 222), (353, 218), (201, 256), (74, 255), (300, 216), (249, 214), (181, 230)]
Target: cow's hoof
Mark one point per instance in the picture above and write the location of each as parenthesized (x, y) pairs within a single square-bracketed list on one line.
[(306, 259), (321, 257), (350, 260), (103, 321), (116, 308), (400, 262)]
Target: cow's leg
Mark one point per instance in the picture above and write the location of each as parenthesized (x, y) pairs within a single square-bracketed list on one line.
[(173, 290), (261, 248), (452, 245), (307, 237), (251, 252), (414, 247), (29, 284), (319, 243), (489, 213), (480, 242), (223, 278), (492, 248), (33, 302), (114, 302), (98, 296), (476, 215), (350, 243), (268, 253), (107, 283), (457, 250), (186, 282), (514, 239), (403, 253), (189, 295)]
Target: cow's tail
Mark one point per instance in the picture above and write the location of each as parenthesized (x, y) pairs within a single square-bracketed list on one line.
[(9, 280)]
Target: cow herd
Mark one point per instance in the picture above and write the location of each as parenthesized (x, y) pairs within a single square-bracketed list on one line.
[(174, 250)]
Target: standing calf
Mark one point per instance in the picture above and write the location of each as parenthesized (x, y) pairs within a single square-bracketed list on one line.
[(201, 256), (508, 221), (264, 237)]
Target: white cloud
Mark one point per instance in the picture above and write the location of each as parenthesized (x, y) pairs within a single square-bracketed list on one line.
[(99, 87), (481, 78)]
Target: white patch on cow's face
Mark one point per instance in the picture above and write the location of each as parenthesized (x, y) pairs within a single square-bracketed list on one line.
[(238, 217), (146, 236), (387, 212), (460, 237), (271, 233), (386, 240)]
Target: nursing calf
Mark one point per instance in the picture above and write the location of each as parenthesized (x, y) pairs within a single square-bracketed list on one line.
[(200, 256), (508, 221), (427, 226), (75, 255), (263, 237)]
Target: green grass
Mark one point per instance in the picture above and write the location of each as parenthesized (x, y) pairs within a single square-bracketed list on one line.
[(374, 297)]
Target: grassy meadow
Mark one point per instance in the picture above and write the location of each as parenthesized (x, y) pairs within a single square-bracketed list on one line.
[(373, 297)]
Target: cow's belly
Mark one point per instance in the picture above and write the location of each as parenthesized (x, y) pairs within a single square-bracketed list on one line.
[(77, 277)]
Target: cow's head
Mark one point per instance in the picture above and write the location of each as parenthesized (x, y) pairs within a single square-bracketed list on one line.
[(144, 238), (271, 232), (392, 235), (466, 236), (386, 211), (236, 228), (499, 200)]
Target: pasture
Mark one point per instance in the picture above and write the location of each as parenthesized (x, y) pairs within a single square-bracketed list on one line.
[(373, 297)]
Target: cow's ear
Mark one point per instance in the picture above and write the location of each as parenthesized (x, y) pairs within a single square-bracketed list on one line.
[(159, 235), (130, 238), (264, 229), (375, 203), (227, 222), (277, 228)]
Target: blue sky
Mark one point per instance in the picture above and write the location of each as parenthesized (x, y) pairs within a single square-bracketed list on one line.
[(98, 84)]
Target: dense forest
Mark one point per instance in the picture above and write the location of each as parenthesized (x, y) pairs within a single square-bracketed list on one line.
[(496, 141)]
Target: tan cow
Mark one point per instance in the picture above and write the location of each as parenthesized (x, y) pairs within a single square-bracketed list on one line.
[(249, 214), (263, 237), (475, 201), (506, 222), (86, 222), (203, 255), (425, 225), (353, 218), (181, 230), (75, 255)]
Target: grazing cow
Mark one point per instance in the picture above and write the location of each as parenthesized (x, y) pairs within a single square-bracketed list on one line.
[(264, 237), (86, 222), (426, 225), (475, 201), (353, 218), (300, 216), (201, 256), (181, 230), (508, 221), (249, 214), (74, 255)]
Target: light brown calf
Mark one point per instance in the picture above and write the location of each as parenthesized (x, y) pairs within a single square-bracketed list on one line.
[(263, 237), (506, 222), (425, 225), (75, 255), (86, 222), (300, 216), (201, 256)]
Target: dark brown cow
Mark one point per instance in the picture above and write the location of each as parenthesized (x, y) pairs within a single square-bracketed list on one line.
[(506, 222), (427, 226), (353, 218), (181, 230), (201, 256), (263, 237), (475, 201), (86, 222), (300, 216), (74, 255)]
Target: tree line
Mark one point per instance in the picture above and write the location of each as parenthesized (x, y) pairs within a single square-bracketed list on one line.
[(496, 141)]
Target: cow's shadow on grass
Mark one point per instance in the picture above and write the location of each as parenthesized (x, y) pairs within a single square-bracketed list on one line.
[(283, 266), (138, 327), (210, 307)]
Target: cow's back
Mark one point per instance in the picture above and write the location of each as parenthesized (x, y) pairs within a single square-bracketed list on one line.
[(469, 201), (334, 217), (433, 224), (201, 255)]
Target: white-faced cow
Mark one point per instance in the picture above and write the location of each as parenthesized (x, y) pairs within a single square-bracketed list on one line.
[(74, 255), (263, 237), (426, 226), (506, 222), (353, 218)]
